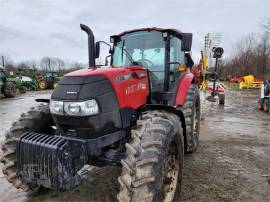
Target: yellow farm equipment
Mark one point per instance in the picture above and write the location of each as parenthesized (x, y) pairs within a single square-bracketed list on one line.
[(249, 82)]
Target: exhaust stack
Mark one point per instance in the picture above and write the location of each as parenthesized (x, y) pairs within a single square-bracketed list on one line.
[(91, 45)]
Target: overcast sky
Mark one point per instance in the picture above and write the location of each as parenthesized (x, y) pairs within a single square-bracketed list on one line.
[(31, 29)]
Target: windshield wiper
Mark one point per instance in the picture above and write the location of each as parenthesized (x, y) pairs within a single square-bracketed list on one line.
[(133, 62)]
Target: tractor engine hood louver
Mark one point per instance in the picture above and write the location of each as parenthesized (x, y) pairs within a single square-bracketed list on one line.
[(81, 88)]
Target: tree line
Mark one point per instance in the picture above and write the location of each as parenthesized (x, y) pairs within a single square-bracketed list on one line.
[(43, 65), (251, 55)]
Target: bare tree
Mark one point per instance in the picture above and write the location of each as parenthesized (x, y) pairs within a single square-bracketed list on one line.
[(263, 53), (264, 46), (45, 64), (244, 55), (60, 64), (266, 25), (22, 65)]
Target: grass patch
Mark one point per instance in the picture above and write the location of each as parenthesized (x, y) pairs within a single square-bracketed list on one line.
[(231, 86)]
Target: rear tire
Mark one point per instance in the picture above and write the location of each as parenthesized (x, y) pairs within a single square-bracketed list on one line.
[(260, 104), (152, 168), (221, 99), (36, 120), (266, 105), (192, 114), (10, 90)]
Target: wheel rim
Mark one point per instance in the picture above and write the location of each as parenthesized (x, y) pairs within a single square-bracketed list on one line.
[(170, 180), (42, 85), (55, 85)]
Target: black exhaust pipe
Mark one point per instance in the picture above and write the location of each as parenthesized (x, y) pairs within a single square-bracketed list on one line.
[(91, 45)]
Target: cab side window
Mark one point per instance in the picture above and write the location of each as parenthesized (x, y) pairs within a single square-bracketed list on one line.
[(177, 57)]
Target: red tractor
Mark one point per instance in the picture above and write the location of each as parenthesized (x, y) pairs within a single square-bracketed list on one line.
[(141, 113)]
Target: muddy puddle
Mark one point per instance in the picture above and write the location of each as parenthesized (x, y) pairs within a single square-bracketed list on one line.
[(234, 152)]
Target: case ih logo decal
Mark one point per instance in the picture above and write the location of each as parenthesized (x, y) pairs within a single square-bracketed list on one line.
[(121, 78), (135, 87)]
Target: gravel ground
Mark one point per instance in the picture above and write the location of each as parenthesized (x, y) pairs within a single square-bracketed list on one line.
[(234, 152)]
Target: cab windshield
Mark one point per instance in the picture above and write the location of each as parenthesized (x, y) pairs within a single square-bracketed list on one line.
[(144, 48)]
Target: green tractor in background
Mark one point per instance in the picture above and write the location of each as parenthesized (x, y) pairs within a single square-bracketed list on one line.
[(28, 79), (8, 88), (18, 83), (49, 81)]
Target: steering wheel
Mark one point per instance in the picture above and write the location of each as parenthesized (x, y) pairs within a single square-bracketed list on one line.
[(146, 62)]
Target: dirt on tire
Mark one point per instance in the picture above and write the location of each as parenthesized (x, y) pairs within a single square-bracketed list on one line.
[(37, 119), (10, 90), (144, 167)]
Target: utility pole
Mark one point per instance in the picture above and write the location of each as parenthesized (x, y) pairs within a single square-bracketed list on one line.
[(3, 61), (50, 64)]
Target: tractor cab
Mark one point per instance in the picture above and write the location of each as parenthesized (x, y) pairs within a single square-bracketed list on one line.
[(164, 52), (52, 74), (3, 75)]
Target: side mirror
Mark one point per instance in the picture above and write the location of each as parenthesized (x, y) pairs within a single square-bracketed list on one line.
[(189, 61), (186, 42), (97, 49)]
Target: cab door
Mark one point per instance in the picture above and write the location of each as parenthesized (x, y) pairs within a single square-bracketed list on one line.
[(177, 58)]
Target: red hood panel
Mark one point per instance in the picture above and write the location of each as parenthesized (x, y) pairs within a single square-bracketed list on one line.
[(104, 70), (131, 92)]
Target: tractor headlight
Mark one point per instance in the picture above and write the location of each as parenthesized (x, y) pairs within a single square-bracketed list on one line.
[(85, 108), (57, 107)]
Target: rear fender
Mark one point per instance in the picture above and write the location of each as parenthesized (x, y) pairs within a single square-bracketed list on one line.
[(182, 88)]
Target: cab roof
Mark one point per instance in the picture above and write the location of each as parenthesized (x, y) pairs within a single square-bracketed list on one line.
[(175, 32)]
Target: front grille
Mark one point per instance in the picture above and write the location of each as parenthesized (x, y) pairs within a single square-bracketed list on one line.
[(108, 120)]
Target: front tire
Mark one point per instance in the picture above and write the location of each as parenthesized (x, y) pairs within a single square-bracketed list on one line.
[(152, 168), (35, 120), (22, 89)]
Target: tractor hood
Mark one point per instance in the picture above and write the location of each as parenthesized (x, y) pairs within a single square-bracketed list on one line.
[(107, 71), (116, 91), (129, 84)]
